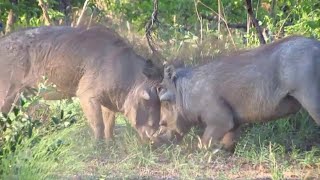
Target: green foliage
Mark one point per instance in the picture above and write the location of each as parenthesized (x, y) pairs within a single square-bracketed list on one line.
[(28, 12), (16, 126), (51, 155), (27, 139), (179, 19), (273, 141)]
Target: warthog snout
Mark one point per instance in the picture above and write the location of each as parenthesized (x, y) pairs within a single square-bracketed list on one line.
[(146, 133), (164, 136)]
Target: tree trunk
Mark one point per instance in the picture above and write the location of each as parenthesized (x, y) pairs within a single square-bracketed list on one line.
[(272, 10), (1, 25), (219, 12), (255, 22), (11, 17), (65, 8), (248, 29), (44, 7)]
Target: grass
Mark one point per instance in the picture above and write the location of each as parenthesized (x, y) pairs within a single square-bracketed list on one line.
[(284, 149)]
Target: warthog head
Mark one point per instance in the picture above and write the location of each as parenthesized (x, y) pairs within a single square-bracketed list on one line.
[(143, 109), (172, 124), (143, 104)]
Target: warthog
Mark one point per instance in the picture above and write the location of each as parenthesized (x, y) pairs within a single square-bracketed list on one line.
[(259, 85), (95, 65)]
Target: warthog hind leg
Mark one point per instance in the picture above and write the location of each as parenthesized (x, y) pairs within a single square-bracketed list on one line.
[(309, 98)]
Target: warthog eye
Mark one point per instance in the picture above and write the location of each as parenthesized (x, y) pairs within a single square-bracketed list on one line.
[(163, 123)]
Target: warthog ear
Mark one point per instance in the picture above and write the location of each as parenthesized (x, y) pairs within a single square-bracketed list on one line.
[(145, 95), (152, 71)]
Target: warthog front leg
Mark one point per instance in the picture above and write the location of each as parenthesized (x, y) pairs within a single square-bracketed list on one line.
[(8, 102), (91, 106), (214, 135), (9, 95), (230, 138), (108, 120), (92, 110), (219, 122)]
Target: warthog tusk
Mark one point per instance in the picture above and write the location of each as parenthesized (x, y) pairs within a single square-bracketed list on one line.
[(156, 134), (160, 130), (216, 150), (148, 135)]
